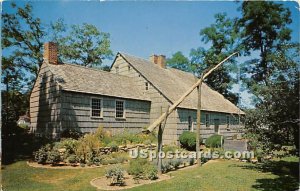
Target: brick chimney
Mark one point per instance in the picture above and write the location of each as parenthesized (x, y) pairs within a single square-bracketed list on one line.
[(50, 53), (160, 60)]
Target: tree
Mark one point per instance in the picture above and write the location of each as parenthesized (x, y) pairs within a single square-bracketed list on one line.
[(23, 34), (84, 45), (264, 25), (179, 61), (222, 38), (273, 77)]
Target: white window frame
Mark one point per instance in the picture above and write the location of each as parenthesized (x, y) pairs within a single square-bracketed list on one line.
[(91, 108), (124, 109)]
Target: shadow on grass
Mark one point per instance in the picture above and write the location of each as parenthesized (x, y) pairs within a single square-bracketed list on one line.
[(20, 146), (287, 172)]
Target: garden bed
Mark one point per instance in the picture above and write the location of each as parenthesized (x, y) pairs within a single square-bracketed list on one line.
[(61, 166), (102, 183)]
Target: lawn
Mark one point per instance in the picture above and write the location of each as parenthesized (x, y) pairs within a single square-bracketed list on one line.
[(217, 175)]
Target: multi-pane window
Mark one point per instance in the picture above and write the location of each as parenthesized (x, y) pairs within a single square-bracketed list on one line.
[(117, 69), (207, 124), (96, 105), (120, 109)]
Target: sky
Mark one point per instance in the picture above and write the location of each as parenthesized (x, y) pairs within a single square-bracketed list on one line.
[(142, 28)]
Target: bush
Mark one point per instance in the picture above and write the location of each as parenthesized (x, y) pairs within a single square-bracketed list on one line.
[(97, 160), (53, 157), (113, 146), (71, 133), (170, 148), (141, 169), (87, 146), (214, 141), (41, 155), (188, 140), (116, 175), (150, 172), (72, 159), (135, 167)]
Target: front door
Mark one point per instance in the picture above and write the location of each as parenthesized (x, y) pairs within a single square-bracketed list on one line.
[(217, 122)]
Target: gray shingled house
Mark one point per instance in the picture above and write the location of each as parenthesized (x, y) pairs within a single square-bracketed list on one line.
[(129, 97)]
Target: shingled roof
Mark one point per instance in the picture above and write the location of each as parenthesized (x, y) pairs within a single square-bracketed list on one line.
[(173, 83), (95, 81)]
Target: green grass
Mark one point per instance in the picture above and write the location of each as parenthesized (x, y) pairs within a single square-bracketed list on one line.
[(220, 175)]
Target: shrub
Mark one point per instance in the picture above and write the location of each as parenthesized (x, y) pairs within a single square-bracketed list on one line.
[(41, 155), (135, 167), (97, 160), (176, 163), (141, 169), (188, 140), (170, 148), (70, 146), (165, 167), (147, 142), (116, 175), (113, 146), (71, 133), (150, 172), (214, 141), (87, 145), (53, 157), (72, 159)]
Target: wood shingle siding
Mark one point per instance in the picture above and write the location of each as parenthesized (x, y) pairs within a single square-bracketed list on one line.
[(62, 94)]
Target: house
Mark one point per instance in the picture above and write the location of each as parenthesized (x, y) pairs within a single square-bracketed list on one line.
[(23, 121), (129, 97)]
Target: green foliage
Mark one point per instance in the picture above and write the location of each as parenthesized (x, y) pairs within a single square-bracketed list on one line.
[(84, 45), (132, 138), (113, 146), (274, 76), (71, 133), (116, 175), (179, 61), (214, 141), (53, 157), (222, 35), (188, 140), (72, 159), (87, 145), (41, 155), (142, 169), (170, 148)]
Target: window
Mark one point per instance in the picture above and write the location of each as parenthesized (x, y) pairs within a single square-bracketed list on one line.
[(228, 121), (190, 122), (129, 68), (120, 109), (117, 69), (96, 107), (207, 120), (146, 85)]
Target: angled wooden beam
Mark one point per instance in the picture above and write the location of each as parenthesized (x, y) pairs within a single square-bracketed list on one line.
[(187, 93)]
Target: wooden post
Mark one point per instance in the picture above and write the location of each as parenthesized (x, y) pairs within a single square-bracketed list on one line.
[(198, 123), (187, 93), (159, 142)]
